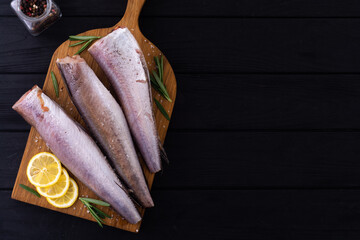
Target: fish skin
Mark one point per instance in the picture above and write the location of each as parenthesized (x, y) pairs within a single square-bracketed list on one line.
[(106, 121), (122, 60), (75, 149)]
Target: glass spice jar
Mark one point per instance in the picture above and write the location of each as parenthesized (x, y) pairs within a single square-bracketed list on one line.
[(36, 15)]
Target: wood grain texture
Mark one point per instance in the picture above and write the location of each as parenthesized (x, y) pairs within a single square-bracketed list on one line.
[(208, 214), (258, 101), (289, 67), (35, 143), (238, 160), (210, 8), (237, 45)]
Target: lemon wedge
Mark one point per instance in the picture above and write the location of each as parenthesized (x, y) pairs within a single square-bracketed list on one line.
[(58, 189), (44, 169), (68, 199)]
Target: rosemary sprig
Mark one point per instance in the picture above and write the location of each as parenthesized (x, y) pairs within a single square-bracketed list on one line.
[(55, 83), (157, 80), (97, 214), (84, 46), (100, 213), (162, 110), (160, 67), (95, 201), (74, 38), (30, 190), (78, 43), (86, 40)]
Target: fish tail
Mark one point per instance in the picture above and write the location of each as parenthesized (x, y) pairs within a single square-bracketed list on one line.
[(163, 154), (130, 193)]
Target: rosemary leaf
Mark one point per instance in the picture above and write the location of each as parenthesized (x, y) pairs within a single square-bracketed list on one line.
[(162, 68), (162, 110), (74, 38), (154, 83), (95, 201), (32, 191), (166, 95), (158, 66), (156, 88), (78, 43), (157, 77), (157, 80), (161, 86), (84, 46), (100, 213), (95, 216), (84, 202), (55, 83)]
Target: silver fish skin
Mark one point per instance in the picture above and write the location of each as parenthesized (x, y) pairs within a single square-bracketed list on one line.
[(75, 149), (122, 60), (107, 123)]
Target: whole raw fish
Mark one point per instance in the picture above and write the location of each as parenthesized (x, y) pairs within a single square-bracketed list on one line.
[(106, 121), (75, 149), (122, 60)]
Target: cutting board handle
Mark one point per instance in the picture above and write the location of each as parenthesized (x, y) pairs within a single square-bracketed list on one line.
[(132, 13)]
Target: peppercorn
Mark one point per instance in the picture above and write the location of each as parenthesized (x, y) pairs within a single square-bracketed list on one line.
[(33, 8)]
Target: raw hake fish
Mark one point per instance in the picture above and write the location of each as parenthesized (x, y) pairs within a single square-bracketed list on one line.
[(107, 123), (122, 60), (75, 149)]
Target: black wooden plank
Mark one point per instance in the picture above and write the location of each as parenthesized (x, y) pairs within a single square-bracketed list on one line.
[(257, 45), (238, 160), (12, 148), (250, 102), (270, 214), (205, 8), (262, 160), (20, 52), (11, 89), (228, 102), (207, 45)]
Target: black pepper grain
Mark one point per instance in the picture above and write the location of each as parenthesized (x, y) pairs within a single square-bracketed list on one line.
[(33, 8)]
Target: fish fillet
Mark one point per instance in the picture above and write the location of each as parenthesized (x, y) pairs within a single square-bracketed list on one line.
[(75, 149), (107, 123), (120, 57)]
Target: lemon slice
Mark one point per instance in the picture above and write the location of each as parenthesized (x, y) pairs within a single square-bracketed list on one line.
[(58, 189), (68, 199), (44, 169)]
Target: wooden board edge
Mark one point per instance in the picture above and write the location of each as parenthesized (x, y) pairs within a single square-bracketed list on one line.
[(16, 184)]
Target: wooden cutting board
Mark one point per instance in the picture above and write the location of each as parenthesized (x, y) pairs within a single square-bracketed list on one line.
[(35, 144)]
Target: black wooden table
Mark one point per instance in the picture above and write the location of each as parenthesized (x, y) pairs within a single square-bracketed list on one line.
[(264, 140)]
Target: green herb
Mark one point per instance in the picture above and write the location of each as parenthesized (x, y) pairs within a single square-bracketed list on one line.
[(84, 46), (86, 40), (56, 86), (32, 191), (78, 43), (97, 214), (95, 201), (100, 213), (157, 80), (74, 38), (160, 67), (162, 110)]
